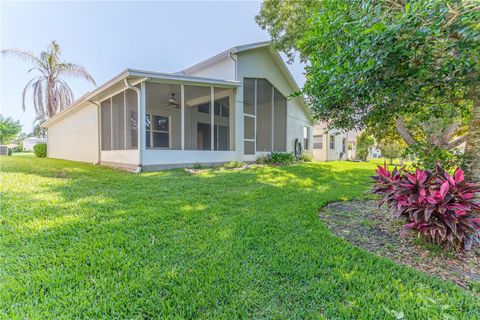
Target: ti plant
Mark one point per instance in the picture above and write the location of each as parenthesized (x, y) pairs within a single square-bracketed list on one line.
[(439, 206)]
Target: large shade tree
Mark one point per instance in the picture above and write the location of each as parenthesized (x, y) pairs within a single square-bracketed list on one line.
[(378, 62), (9, 129), (50, 91)]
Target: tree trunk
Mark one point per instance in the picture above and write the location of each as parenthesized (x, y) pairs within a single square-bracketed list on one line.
[(472, 147), (403, 132)]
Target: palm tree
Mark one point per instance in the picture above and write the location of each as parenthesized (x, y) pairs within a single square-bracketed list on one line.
[(51, 93)]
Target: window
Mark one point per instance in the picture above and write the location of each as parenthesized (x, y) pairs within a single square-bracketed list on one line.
[(221, 108), (332, 142), (204, 108), (157, 131), (318, 141), (306, 134), (343, 145)]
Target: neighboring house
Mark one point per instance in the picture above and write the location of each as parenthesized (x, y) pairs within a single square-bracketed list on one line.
[(373, 153), (329, 145), (233, 106), (29, 143)]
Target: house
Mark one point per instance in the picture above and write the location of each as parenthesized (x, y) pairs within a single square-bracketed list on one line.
[(29, 143), (233, 106), (329, 145)]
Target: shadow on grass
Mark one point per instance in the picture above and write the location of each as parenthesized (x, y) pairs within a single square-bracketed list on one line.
[(83, 240)]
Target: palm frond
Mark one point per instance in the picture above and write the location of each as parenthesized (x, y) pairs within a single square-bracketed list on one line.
[(75, 71), (24, 55), (24, 92)]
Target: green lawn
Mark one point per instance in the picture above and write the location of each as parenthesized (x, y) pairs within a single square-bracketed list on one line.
[(78, 241)]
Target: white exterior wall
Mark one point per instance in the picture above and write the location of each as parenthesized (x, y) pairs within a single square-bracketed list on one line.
[(75, 137), (336, 152), (121, 157), (320, 154), (259, 63), (171, 157), (223, 69)]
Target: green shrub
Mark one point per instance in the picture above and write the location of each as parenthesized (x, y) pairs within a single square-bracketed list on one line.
[(364, 143), (9, 151), (426, 156), (233, 165), (281, 158), (19, 148), (40, 150), (197, 165), (306, 157), (261, 160)]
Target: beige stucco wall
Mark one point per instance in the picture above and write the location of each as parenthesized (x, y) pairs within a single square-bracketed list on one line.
[(75, 137), (327, 154)]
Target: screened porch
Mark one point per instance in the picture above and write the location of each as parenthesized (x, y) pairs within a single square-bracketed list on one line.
[(183, 123)]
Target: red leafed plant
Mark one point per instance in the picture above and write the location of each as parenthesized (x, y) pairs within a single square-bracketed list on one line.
[(439, 206)]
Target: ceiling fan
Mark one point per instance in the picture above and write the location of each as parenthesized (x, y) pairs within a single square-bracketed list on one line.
[(172, 102)]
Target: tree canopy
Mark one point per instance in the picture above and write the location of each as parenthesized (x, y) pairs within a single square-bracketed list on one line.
[(50, 92), (9, 129), (411, 63)]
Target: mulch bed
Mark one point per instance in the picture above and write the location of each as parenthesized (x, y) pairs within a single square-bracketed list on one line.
[(378, 230)]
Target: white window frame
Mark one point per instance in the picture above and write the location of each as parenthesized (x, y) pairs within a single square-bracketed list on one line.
[(151, 131), (320, 136)]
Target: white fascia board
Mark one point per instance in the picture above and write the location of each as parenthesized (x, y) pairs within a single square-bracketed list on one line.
[(178, 78)]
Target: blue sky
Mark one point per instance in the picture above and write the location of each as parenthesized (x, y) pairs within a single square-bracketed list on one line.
[(107, 37)]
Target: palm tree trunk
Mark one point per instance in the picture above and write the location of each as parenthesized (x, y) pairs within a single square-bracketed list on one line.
[(472, 147)]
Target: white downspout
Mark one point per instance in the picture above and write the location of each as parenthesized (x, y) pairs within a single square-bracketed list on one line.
[(139, 101), (234, 58), (99, 124)]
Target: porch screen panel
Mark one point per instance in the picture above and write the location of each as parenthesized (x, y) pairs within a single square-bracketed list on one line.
[(249, 96), (222, 119), (118, 122), (279, 122), (106, 120), (264, 115), (163, 109), (131, 119), (249, 147), (198, 124), (249, 127)]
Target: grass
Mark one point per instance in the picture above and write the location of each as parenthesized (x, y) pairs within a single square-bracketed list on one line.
[(78, 241)]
